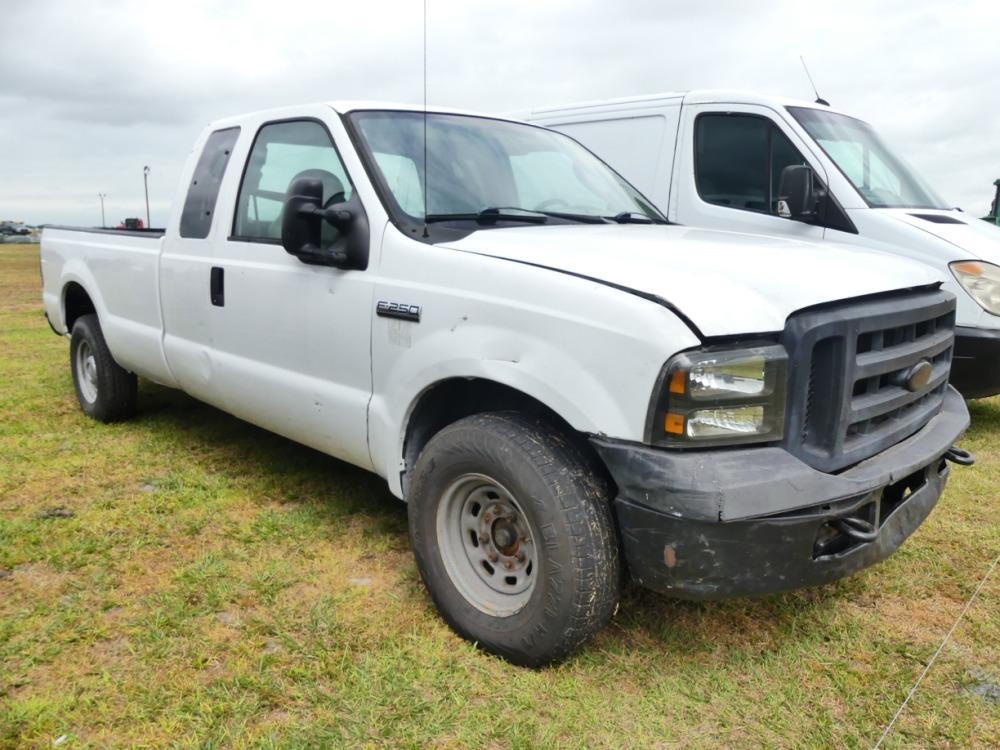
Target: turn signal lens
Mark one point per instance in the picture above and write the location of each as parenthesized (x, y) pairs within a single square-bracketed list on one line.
[(677, 380), (673, 423), (968, 268)]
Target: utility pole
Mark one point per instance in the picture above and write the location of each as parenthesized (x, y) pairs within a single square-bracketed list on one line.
[(145, 182), (102, 196)]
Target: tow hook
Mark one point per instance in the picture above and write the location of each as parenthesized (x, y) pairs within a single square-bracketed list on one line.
[(857, 528), (959, 456)]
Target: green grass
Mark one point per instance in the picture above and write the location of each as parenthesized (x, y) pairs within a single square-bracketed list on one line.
[(218, 586)]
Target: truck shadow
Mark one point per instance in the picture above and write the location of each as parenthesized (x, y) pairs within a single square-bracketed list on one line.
[(292, 471), (230, 448)]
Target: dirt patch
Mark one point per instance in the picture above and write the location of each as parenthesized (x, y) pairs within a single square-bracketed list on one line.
[(114, 650), (919, 620), (39, 577)]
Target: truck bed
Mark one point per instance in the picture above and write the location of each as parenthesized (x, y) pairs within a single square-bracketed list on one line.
[(120, 270)]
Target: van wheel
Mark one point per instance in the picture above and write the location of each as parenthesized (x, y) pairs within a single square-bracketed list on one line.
[(513, 536), (106, 391)]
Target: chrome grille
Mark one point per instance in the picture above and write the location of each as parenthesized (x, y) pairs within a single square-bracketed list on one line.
[(849, 397)]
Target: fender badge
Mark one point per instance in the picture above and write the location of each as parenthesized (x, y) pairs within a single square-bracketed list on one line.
[(401, 310)]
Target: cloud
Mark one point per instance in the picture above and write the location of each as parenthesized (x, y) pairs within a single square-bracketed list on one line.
[(89, 93)]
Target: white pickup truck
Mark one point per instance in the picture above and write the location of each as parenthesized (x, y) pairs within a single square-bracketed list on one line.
[(565, 389)]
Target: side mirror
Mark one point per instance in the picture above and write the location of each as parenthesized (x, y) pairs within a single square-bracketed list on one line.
[(798, 196), (302, 224)]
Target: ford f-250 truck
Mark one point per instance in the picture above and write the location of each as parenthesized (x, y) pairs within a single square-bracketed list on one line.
[(563, 387)]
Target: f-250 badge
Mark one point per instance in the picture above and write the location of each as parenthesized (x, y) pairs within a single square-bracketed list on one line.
[(401, 310)]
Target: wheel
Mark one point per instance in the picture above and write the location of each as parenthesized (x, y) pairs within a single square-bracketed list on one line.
[(512, 532), (106, 391)]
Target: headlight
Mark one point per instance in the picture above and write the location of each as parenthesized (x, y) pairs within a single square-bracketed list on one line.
[(981, 281), (721, 397)]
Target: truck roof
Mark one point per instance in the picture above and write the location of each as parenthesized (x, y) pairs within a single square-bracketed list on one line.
[(341, 107), (694, 96)]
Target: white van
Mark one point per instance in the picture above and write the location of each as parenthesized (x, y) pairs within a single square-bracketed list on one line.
[(717, 159)]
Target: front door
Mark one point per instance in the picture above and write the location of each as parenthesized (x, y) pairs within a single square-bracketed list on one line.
[(729, 167), (291, 340)]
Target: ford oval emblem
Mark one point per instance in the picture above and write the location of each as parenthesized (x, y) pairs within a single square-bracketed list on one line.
[(918, 376)]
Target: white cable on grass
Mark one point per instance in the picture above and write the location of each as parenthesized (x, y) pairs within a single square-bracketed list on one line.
[(947, 637)]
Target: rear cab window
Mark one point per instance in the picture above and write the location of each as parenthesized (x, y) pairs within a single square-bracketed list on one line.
[(199, 206)]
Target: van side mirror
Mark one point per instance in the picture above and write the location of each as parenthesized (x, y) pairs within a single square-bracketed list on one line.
[(302, 225), (798, 196)]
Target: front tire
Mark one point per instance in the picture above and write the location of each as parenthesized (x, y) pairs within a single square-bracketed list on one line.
[(512, 532), (106, 391)]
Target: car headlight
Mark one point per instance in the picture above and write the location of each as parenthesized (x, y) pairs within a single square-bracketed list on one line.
[(982, 282), (721, 397)]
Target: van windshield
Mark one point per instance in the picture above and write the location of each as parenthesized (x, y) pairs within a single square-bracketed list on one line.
[(882, 178), (479, 168)]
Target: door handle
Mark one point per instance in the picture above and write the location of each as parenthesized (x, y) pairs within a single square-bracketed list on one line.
[(217, 287)]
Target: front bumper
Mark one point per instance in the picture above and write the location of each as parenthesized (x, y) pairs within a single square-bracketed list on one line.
[(975, 366), (711, 524)]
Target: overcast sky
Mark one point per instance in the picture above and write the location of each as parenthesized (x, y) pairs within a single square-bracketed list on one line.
[(90, 92)]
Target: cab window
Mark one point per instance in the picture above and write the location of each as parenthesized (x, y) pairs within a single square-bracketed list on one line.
[(282, 153), (739, 159), (199, 206)]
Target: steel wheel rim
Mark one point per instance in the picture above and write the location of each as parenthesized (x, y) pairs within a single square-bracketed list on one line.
[(487, 545), (86, 372)]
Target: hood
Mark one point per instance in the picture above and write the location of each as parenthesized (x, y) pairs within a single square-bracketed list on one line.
[(974, 238), (725, 283)]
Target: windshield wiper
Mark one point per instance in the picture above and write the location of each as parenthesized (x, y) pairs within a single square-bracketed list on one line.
[(516, 213), (492, 215), (582, 218), (634, 217)]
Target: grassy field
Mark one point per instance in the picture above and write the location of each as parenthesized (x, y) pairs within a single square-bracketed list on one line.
[(189, 580)]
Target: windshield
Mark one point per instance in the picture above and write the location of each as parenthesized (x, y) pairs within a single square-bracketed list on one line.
[(882, 178), (477, 165)]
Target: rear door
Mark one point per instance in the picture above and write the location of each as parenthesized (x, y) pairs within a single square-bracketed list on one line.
[(292, 341), (728, 169), (185, 269)]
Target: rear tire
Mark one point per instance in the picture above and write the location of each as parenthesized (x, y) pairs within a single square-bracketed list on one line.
[(513, 536), (106, 391)]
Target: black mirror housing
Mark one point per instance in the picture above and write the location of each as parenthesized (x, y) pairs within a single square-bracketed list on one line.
[(797, 195), (302, 224)]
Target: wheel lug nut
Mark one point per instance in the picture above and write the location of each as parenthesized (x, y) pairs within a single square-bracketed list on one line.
[(508, 564), (484, 538), (493, 556), (520, 557), (487, 516)]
